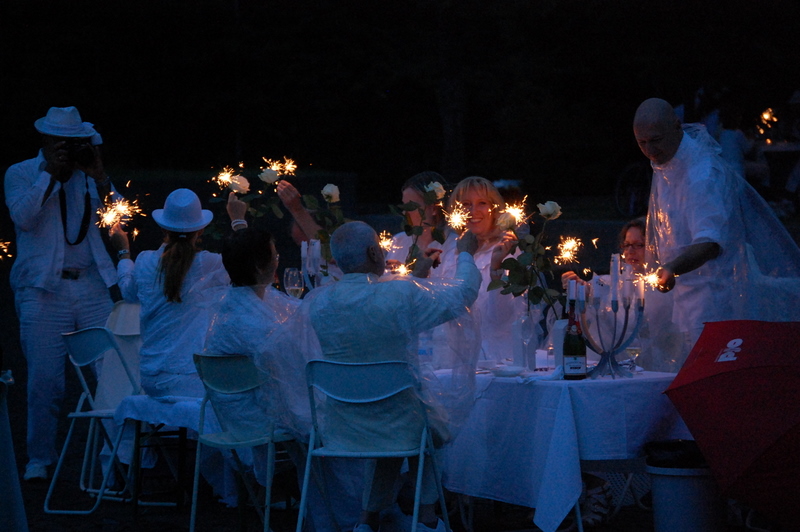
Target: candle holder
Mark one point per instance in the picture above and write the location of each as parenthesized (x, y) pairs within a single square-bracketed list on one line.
[(608, 344)]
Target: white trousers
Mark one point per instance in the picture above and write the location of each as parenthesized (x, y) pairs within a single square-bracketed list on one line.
[(43, 316)]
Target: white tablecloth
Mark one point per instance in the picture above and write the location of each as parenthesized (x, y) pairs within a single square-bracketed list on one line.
[(523, 442)]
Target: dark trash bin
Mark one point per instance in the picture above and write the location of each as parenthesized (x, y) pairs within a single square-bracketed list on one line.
[(685, 495)]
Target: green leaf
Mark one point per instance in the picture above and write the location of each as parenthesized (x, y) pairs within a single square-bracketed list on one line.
[(276, 210), (217, 199), (495, 284), (410, 206), (408, 229), (438, 235), (512, 264), (417, 230), (529, 239), (429, 197), (533, 298), (393, 209), (311, 202), (526, 259), (249, 197), (552, 293)]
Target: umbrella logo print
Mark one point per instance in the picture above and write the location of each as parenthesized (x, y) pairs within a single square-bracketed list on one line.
[(729, 353)]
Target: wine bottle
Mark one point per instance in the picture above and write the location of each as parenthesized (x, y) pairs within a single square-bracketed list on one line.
[(574, 347)]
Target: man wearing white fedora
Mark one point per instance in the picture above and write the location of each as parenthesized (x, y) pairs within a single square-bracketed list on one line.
[(62, 271)]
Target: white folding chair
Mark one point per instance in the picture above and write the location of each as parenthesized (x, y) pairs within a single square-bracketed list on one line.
[(95, 346), (363, 384), (235, 374)]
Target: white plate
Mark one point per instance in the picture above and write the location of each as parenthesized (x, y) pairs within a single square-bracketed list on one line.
[(508, 371)]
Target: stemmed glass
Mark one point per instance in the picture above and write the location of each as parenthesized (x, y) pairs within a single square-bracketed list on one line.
[(293, 282), (527, 329), (633, 352)]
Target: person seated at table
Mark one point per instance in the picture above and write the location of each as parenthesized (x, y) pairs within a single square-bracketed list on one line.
[(631, 244), (176, 286), (496, 312), (248, 313), (361, 319), (406, 248)]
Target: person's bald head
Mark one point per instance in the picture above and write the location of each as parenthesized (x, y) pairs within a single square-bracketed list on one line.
[(356, 249), (657, 130)]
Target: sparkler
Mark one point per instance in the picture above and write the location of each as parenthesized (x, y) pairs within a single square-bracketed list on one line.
[(225, 178), (385, 240), (517, 211), (117, 211), (650, 279), (568, 250), (285, 167), (594, 242), (457, 218), (4, 249), (402, 270)]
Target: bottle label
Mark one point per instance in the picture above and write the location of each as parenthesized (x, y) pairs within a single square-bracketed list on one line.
[(574, 365)]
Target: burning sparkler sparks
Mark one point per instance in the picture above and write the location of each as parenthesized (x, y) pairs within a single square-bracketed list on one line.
[(517, 211), (457, 218), (285, 167), (650, 279), (594, 242), (402, 270), (4, 249), (118, 211), (385, 240), (225, 178), (568, 250)]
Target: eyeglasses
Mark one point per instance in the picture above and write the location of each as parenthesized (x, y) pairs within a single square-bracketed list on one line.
[(626, 245)]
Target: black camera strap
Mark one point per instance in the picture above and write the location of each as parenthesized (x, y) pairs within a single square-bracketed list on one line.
[(87, 211)]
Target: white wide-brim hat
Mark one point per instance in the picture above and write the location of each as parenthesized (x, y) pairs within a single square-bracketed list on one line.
[(182, 212), (64, 122)]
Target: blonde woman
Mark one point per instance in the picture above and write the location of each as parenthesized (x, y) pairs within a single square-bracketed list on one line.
[(496, 312)]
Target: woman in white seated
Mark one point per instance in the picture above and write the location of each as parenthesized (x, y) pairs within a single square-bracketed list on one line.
[(496, 312), (177, 284), (248, 313), (425, 244)]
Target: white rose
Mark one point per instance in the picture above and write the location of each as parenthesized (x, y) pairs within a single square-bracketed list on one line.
[(269, 176), (239, 184), (437, 188), (550, 210), (331, 193), (505, 221)]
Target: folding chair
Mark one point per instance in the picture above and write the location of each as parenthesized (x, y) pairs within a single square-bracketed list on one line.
[(363, 384), (88, 347), (235, 374)]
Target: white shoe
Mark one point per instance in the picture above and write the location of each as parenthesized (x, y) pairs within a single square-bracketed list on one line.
[(35, 472), (439, 527)]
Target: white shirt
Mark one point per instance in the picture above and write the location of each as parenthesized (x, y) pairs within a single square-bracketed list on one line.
[(362, 319), (242, 325), (39, 231), (172, 332), (401, 244)]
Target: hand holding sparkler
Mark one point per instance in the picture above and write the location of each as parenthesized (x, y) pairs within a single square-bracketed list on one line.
[(502, 249), (666, 279), (467, 242), (236, 208), (289, 196), (119, 241)]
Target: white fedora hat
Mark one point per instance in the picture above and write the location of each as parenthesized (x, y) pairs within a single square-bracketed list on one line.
[(182, 212), (64, 122)]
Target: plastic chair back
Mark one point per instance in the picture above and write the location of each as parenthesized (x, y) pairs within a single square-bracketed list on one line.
[(229, 374), (115, 380), (360, 382), (123, 322)]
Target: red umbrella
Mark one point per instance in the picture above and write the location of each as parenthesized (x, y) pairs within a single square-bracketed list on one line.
[(739, 394)]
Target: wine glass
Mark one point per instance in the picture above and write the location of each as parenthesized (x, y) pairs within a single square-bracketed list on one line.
[(293, 282), (528, 332), (633, 353)]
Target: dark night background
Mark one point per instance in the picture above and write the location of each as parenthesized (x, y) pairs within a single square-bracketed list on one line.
[(538, 90)]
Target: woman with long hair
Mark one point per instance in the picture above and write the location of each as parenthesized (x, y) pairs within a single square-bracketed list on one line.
[(176, 284)]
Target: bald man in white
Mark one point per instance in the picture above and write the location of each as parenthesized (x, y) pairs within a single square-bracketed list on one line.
[(706, 231)]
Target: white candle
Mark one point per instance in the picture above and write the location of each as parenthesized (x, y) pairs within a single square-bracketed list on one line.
[(582, 292), (304, 255), (640, 289), (571, 290), (615, 277)]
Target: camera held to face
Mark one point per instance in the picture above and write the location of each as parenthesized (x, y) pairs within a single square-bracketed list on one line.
[(81, 152)]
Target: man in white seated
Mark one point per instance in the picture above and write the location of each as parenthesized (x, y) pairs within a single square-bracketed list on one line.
[(363, 319)]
